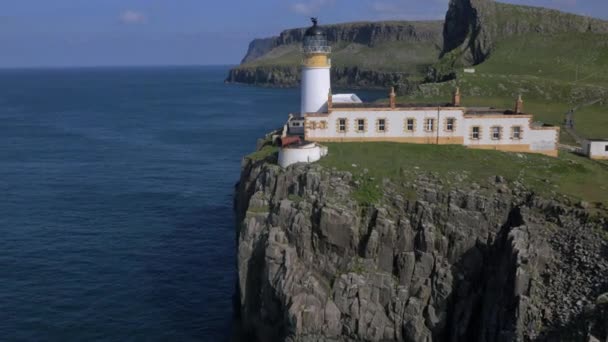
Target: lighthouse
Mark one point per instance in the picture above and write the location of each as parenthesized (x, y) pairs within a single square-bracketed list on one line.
[(316, 65)]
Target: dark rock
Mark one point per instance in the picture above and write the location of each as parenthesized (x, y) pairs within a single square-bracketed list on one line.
[(459, 266)]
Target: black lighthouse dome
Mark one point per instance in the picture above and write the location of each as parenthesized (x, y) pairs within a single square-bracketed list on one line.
[(315, 39), (314, 30)]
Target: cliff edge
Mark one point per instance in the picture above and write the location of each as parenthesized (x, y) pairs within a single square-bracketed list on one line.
[(384, 54), (430, 261), (473, 28), (365, 54)]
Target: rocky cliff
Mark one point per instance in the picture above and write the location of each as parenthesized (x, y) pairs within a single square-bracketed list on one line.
[(368, 54), (384, 54), (474, 27), (429, 262), (258, 48), (342, 77)]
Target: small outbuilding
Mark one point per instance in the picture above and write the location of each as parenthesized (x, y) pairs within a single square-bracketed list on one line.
[(596, 148), (292, 150)]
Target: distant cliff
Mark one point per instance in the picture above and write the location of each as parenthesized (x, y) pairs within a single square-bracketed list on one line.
[(432, 261), (373, 54), (346, 77), (403, 53), (474, 27), (258, 48)]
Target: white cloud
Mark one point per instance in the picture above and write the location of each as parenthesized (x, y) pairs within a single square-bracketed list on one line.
[(132, 17), (311, 6)]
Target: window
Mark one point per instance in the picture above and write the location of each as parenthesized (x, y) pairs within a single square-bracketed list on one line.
[(323, 124), (429, 125), (342, 125), (516, 134), (381, 125), (449, 124), (475, 133), (606, 148), (410, 124), (360, 125), (496, 132)]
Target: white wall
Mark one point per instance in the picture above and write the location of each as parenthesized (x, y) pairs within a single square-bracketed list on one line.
[(597, 149), (304, 154), (486, 124), (296, 126), (395, 124), (536, 139), (314, 89), (544, 139)]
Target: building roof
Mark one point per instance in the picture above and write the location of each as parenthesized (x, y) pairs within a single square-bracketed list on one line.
[(380, 106), (345, 98), (488, 111)]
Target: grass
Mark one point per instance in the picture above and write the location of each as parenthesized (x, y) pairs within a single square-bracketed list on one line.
[(579, 58), (592, 121), (259, 210), (406, 57), (294, 198), (265, 152), (554, 73), (368, 191), (575, 177)]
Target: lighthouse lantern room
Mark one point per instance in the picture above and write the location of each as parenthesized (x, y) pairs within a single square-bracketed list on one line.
[(316, 67)]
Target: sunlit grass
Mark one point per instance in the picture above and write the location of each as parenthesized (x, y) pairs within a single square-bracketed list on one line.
[(576, 177)]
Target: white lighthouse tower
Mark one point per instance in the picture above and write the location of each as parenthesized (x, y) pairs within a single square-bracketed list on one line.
[(316, 65)]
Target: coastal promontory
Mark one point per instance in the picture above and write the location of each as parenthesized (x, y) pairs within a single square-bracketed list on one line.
[(421, 243)]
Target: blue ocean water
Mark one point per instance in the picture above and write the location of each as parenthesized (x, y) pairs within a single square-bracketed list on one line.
[(116, 189)]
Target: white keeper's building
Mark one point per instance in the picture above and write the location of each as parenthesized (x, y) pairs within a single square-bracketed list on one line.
[(327, 117)]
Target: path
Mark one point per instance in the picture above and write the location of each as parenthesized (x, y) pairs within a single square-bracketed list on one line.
[(569, 124)]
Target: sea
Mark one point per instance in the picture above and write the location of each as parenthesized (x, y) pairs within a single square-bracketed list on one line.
[(116, 200)]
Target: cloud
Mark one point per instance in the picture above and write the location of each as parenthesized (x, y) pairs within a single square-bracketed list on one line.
[(132, 17), (311, 6)]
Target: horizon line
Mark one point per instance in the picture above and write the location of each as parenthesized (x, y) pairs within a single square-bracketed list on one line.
[(117, 66)]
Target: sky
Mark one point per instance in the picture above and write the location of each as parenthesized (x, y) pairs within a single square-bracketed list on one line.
[(62, 33)]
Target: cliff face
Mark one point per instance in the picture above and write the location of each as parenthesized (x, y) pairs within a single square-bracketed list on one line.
[(473, 27), (470, 33), (428, 264), (346, 77), (275, 61), (258, 48), (370, 34)]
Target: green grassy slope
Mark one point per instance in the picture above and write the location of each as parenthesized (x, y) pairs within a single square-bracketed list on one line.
[(413, 58), (554, 73), (571, 57)]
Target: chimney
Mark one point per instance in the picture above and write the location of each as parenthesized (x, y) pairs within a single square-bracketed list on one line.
[(391, 98), (519, 105), (330, 101), (457, 97)]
